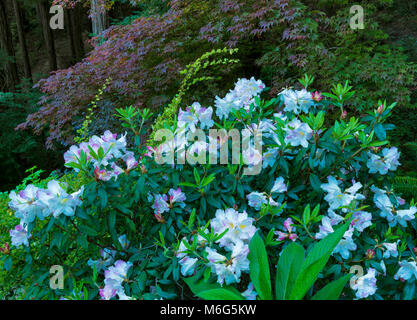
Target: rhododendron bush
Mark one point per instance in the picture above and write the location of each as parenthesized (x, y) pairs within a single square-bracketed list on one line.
[(172, 221)]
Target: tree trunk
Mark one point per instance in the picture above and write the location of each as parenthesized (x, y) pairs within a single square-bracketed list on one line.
[(6, 43), (98, 18), (70, 32), (22, 40), (48, 37), (76, 22)]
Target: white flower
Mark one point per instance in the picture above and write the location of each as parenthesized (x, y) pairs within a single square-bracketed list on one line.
[(269, 157), (226, 105), (365, 285), (187, 265), (408, 269), (325, 228), (204, 115), (250, 293), (391, 250), (19, 236), (336, 198), (297, 101), (345, 245), (187, 119), (229, 270), (298, 133), (361, 220), (239, 225), (388, 161), (58, 200), (279, 186), (256, 199), (26, 204)]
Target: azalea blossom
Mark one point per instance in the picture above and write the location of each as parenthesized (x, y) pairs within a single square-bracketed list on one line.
[(408, 270), (288, 226), (297, 101), (345, 245), (250, 293), (59, 201), (279, 186), (240, 227), (298, 133), (229, 270), (114, 277), (26, 204), (256, 200), (365, 286), (177, 196), (388, 161), (20, 236), (336, 198), (391, 250)]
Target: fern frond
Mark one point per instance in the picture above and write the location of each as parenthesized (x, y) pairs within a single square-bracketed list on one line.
[(406, 185)]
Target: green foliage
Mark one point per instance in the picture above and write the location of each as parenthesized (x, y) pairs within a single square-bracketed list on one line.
[(83, 132), (20, 150), (201, 65), (295, 273)]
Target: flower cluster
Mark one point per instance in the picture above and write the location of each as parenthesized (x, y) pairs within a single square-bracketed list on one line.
[(298, 101), (257, 200), (389, 207), (241, 96), (237, 229), (34, 202), (105, 153), (163, 203), (388, 161), (114, 277)]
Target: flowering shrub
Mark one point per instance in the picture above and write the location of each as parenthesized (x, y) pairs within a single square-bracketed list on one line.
[(148, 219)]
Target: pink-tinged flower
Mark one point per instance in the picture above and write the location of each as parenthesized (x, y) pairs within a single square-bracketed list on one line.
[(288, 226), (281, 235), (317, 96), (159, 217), (107, 292), (150, 152), (20, 236), (380, 109), (160, 204), (131, 163), (176, 196), (6, 249), (102, 174), (370, 254)]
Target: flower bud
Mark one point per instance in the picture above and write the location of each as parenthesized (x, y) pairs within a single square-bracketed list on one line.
[(6, 249), (380, 109), (370, 254), (317, 96)]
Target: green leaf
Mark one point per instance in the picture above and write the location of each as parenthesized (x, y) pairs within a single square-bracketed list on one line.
[(315, 182), (198, 286), (259, 267), (87, 230), (332, 290), (220, 294), (289, 265), (315, 262)]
